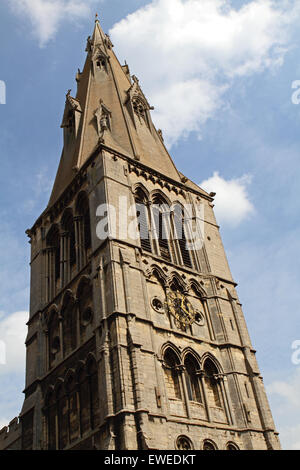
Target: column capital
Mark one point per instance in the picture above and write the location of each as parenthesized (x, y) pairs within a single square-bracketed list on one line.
[(49, 249), (218, 377), (64, 234)]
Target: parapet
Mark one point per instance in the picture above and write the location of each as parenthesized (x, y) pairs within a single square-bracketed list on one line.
[(10, 436)]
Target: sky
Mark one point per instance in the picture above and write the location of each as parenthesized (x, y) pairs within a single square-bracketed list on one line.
[(222, 76)]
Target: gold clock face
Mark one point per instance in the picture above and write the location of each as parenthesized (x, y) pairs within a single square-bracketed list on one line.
[(180, 307)]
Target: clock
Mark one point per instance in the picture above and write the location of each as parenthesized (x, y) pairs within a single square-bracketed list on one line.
[(180, 308)]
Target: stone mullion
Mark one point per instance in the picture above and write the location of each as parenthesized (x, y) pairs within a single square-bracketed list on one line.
[(195, 253), (79, 242), (78, 324), (49, 274), (56, 427), (181, 372), (46, 433), (153, 231), (175, 240), (61, 336), (78, 404), (76, 222), (79, 401), (68, 258), (64, 258), (47, 350), (67, 395), (200, 374), (47, 280), (52, 273), (188, 228)]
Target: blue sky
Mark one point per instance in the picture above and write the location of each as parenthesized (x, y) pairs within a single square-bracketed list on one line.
[(220, 77)]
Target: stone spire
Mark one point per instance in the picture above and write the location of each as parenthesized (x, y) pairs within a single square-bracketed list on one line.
[(110, 109)]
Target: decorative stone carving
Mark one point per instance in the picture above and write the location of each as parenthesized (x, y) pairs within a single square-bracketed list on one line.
[(103, 117)]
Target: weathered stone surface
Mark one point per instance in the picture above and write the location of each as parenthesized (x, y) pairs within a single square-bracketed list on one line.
[(108, 365)]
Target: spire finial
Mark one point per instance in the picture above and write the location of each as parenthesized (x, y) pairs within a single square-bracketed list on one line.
[(96, 18)]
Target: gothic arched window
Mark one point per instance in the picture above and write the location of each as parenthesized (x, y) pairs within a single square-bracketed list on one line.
[(211, 383), (51, 409), (180, 235), (85, 305), (62, 415), (192, 380), (161, 216), (52, 262), (143, 220), (101, 62), (85, 401), (94, 392), (73, 408), (84, 225), (54, 341), (69, 324), (172, 374), (139, 108), (69, 256)]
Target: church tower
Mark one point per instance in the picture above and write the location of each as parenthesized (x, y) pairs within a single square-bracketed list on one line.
[(136, 336)]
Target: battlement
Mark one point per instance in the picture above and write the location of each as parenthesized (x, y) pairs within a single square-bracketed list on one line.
[(10, 436)]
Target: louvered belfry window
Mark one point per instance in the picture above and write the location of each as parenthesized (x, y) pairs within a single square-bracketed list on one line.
[(143, 221), (192, 381), (161, 217), (180, 235)]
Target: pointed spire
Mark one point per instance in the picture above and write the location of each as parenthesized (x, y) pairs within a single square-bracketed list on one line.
[(122, 120), (98, 35)]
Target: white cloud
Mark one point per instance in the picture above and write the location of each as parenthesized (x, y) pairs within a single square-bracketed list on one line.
[(40, 191), (288, 390), (13, 332), (232, 203), (285, 394), (189, 52), (47, 15), (12, 338)]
